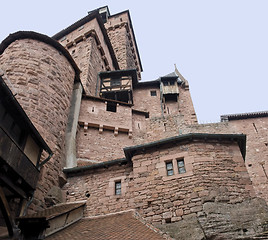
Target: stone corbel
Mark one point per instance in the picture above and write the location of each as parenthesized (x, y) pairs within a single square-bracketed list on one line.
[(130, 134), (101, 129), (116, 131), (85, 126)]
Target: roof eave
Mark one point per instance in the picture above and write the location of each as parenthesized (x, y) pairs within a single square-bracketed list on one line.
[(239, 138), (121, 161)]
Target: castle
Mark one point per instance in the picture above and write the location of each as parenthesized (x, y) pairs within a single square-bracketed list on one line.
[(124, 149)]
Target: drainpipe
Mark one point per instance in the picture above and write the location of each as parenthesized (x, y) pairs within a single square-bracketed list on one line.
[(161, 97), (70, 138)]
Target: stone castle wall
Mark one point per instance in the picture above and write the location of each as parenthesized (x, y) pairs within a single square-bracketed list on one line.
[(257, 151), (122, 39), (215, 179), (145, 102), (109, 132), (42, 81), (103, 134), (99, 183), (88, 48), (214, 172), (257, 147)]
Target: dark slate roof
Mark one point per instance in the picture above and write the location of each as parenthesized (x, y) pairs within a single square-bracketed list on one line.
[(148, 83), (54, 211), (173, 74), (240, 116), (111, 227), (121, 161), (239, 138), (156, 82)]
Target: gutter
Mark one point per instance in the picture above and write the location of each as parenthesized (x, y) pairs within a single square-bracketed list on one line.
[(239, 138), (121, 161)]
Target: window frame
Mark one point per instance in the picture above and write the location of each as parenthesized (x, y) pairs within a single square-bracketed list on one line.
[(118, 186), (153, 93), (168, 169), (181, 167)]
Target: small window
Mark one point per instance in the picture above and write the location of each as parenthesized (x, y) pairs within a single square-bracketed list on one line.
[(171, 97), (118, 188), (181, 166), (115, 82), (153, 93), (111, 107), (169, 167)]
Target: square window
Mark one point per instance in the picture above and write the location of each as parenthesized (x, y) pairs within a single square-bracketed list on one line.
[(118, 188), (169, 167), (153, 93), (111, 107), (181, 166)]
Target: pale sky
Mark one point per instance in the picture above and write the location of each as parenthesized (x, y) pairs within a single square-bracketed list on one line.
[(219, 46)]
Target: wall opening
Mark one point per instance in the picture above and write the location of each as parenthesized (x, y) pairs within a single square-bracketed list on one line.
[(111, 107)]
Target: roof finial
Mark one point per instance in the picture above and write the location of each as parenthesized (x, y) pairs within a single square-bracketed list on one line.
[(184, 81)]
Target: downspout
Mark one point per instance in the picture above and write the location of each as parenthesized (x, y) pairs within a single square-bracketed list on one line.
[(161, 97), (70, 137)]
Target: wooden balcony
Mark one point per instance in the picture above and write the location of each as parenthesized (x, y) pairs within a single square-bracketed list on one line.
[(13, 157)]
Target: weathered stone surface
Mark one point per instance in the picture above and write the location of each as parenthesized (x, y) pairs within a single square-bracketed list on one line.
[(233, 221), (222, 221), (187, 229), (54, 196), (42, 79)]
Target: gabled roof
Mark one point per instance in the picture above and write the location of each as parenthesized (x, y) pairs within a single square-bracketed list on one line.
[(240, 116), (111, 227), (156, 82)]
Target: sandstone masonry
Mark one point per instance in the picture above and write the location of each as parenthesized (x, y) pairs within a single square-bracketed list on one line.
[(135, 145)]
